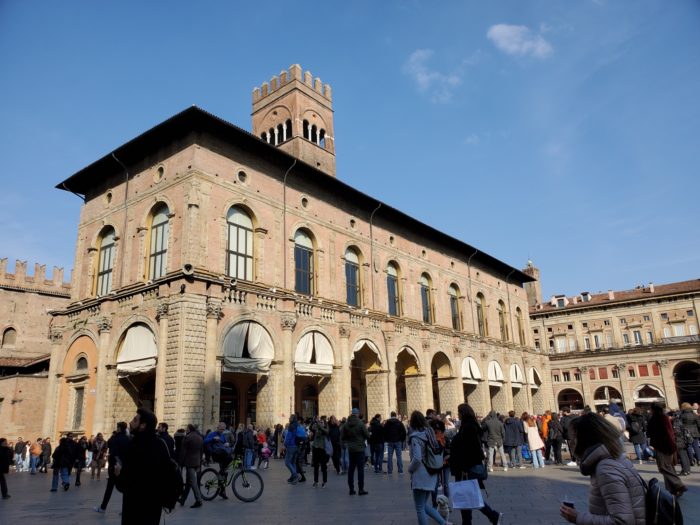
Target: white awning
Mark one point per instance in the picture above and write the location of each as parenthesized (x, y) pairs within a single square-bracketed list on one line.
[(470, 371), (495, 373), (412, 353), (362, 342), (516, 374), (138, 351), (656, 394), (533, 377), (314, 355), (248, 349)]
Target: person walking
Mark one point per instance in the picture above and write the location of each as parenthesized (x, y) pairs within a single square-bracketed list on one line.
[(617, 491), (80, 448), (167, 438), (116, 445), (249, 444), (35, 455), (467, 457), (534, 441), (63, 460), (20, 452), (661, 437), (5, 462), (99, 454), (139, 478), (683, 441), (190, 459), (46, 450), (422, 482), (556, 438), (691, 422), (334, 436), (636, 423), (496, 433), (376, 443), (319, 458), (395, 435), (514, 440), (290, 446), (354, 433)]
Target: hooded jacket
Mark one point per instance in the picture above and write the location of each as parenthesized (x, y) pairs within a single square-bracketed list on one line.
[(494, 428), (691, 421), (514, 432), (617, 494), (420, 477), (354, 433)]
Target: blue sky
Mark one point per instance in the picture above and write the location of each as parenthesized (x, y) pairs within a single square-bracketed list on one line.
[(566, 132)]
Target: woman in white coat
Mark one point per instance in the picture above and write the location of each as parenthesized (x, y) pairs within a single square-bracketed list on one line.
[(534, 441)]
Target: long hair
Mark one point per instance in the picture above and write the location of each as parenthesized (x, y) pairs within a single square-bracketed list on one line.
[(591, 429), (418, 421), (466, 412)]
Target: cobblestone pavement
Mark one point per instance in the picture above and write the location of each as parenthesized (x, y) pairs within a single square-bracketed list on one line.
[(524, 496)]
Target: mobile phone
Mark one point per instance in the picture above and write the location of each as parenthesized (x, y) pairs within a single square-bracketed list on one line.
[(569, 504)]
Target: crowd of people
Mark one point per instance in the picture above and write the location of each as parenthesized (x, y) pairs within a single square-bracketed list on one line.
[(595, 442)]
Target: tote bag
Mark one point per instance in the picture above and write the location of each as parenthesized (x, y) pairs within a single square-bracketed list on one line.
[(465, 494)]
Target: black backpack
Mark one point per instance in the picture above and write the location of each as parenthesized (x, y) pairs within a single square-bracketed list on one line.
[(661, 506), (173, 487)]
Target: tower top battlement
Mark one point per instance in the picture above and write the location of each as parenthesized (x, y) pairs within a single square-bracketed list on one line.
[(33, 283), (295, 72)]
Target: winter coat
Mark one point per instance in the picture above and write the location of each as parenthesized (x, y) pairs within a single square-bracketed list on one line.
[(394, 431), (334, 433), (6, 458), (691, 421), (495, 429), (420, 477), (46, 451), (681, 436), (534, 441), (660, 434), (617, 494), (465, 449), (636, 420), (117, 445), (515, 433), (354, 433), (64, 456), (169, 442), (320, 431), (565, 424), (376, 432), (555, 431), (249, 440), (191, 450)]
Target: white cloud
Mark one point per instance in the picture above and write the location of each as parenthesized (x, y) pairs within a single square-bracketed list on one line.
[(472, 140), (439, 86), (519, 41)]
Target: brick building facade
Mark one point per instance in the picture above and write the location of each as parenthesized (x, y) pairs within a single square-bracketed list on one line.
[(221, 274)]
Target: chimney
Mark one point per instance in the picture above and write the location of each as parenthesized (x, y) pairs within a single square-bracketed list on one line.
[(611, 295), (575, 299), (651, 287)]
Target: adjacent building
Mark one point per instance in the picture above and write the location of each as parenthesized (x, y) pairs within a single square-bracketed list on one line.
[(227, 275), (633, 347)]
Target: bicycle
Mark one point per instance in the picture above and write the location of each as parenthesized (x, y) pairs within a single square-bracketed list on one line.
[(247, 485)]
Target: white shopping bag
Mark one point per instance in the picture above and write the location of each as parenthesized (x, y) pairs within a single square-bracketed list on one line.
[(466, 494)]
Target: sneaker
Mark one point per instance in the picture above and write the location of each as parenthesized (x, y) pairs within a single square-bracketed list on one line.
[(6, 496), (490, 469), (66, 486), (223, 495), (323, 485), (99, 509), (505, 469), (573, 464), (522, 466), (352, 492), (196, 505), (498, 520), (315, 485), (363, 492), (641, 462)]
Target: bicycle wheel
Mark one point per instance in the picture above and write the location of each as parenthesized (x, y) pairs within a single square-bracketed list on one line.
[(247, 485), (209, 484)]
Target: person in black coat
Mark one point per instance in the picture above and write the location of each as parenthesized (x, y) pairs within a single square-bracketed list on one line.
[(555, 435), (141, 476), (116, 445), (6, 457), (334, 436), (466, 453), (63, 461), (395, 436), (514, 440), (376, 442)]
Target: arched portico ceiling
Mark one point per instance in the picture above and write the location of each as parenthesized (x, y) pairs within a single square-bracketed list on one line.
[(495, 373), (648, 394), (314, 355), (248, 349), (470, 371), (533, 377), (137, 351), (516, 374), (410, 351), (366, 342)]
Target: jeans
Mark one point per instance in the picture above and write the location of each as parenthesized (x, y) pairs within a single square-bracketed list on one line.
[(290, 461), (248, 458), (537, 460), (357, 462), (394, 447), (344, 459), (424, 509), (641, 449), (492, 453), (18, 462), (694, 450), (191, 477), (65, 477), (515, 457), (377, 456), (33, 462)]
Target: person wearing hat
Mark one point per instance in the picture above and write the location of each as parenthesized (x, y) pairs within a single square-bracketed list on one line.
[(354, 434)]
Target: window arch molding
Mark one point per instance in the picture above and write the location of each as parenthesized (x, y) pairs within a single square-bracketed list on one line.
[(455, 296), (481, 307), (243, 247), (394, 287), (121, 333), (105, 245), (502, 312), (81, 363), (426, 294), (305, 260), (353, 262), (97, 235), (8, 337), (158, 239), (272, 329)]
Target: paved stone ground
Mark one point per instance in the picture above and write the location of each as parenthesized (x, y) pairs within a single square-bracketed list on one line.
[(524, 496)]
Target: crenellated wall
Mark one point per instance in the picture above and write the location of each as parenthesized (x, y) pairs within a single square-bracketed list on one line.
[(36, 282), (295, 72)]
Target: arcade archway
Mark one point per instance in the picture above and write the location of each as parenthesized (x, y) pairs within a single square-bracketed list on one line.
[(687, 378), (409, 382), (605, 395), (443, 384), (368, 379), (570, 398)]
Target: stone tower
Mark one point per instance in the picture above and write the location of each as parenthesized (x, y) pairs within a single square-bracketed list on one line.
[(294, 112), (534, 288)]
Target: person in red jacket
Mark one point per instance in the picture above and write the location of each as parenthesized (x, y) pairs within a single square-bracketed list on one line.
[(661, 437)]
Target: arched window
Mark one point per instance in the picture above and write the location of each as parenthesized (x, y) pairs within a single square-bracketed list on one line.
[(392, 288), (481, 315), (453, 291), (81, 365), (158, 255), (9, 337), (352, 277), (502, 322), (307, 130), (303, 263), (521, 326), (239, 261), (426, 300), (105, 263), (288, 129), (322, 139)]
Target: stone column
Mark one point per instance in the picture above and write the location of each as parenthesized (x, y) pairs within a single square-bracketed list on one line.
[(668, 383), (162, 318), (448, 388), (391, 379), (377, 402), (53, 383), (415, 397), (586, 392), (289, 321), (212, 391), (104, 326), (427, 378), (627, 400), (327, 393), (268, 394), (345, 373)]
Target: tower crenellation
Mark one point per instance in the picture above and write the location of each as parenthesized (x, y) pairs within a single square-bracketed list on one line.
[(36, 282), (285, 77)]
